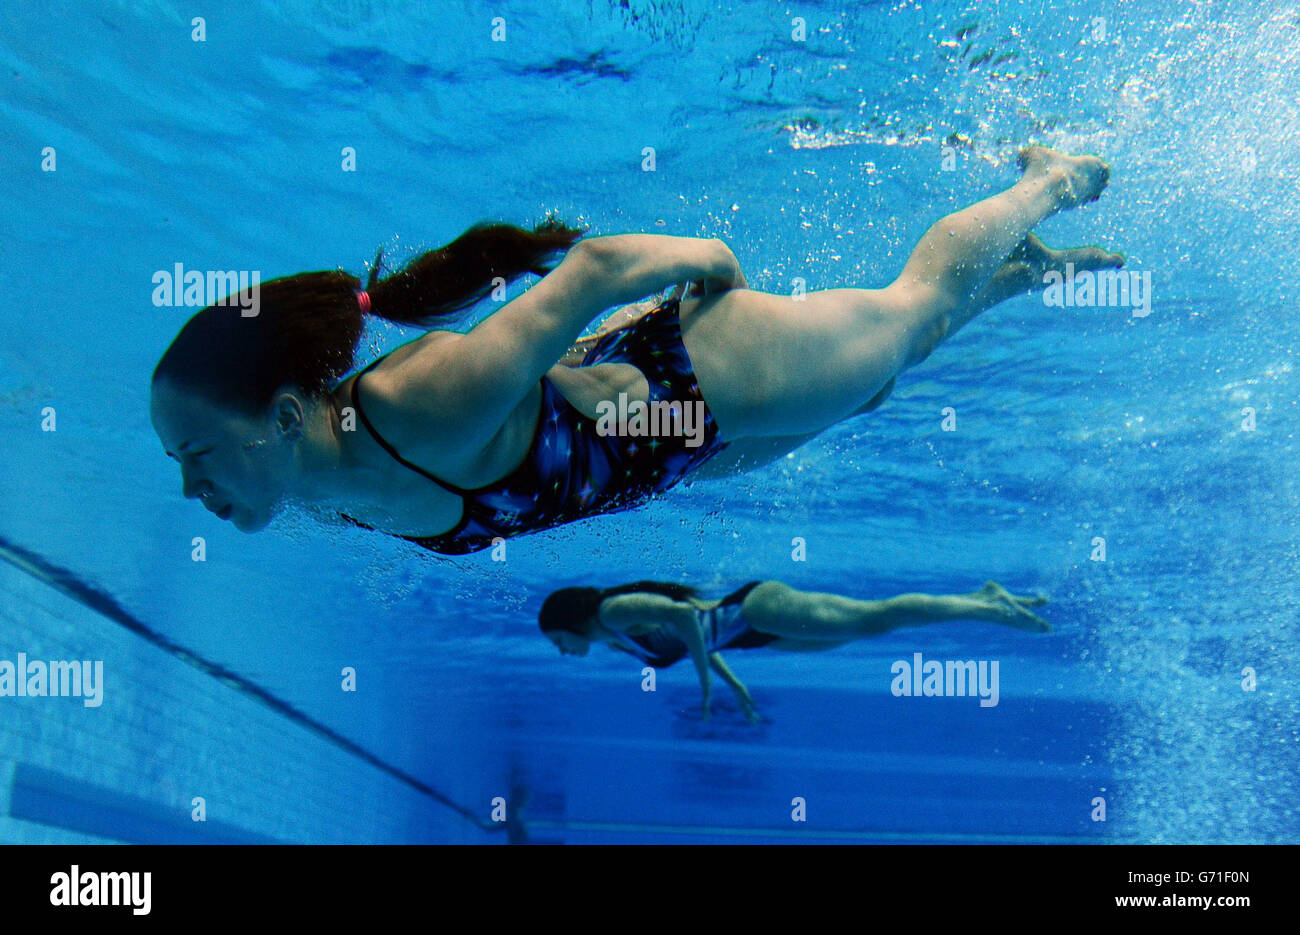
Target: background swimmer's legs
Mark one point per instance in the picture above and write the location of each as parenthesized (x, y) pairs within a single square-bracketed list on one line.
[(807, 617)]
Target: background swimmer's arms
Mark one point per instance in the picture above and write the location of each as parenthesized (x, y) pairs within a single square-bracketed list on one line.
[(626, 612), (742, 694), (688, 628)]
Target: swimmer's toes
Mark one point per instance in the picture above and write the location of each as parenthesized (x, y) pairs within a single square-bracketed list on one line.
[(1022, 619), (1009, 610), (1027, 620)]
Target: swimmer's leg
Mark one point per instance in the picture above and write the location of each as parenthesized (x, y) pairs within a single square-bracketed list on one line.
[(959, 255), (778, 366), (804, 618), (1024, 271)]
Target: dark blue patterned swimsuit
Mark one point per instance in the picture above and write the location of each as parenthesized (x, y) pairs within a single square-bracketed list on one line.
[(571, 470)]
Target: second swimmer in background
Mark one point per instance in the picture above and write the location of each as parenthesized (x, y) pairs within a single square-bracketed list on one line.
[(662, 623)]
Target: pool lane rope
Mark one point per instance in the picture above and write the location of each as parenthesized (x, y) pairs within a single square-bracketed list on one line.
[(70, 585)]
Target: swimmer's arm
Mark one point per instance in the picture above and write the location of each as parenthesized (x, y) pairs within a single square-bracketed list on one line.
[(627, 610), (636, 265), (477, 380), (687, 627), (742, 693)]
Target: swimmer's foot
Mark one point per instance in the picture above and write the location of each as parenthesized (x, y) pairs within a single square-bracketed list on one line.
[(1029, 263), (1024, 272), (1080, 179), (1042, 258), (998, 605)]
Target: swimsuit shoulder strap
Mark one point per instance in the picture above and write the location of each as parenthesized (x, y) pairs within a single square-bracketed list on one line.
[(356, 404)]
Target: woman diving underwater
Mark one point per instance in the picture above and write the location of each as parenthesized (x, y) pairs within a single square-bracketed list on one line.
[(662, 623), (494, 433)]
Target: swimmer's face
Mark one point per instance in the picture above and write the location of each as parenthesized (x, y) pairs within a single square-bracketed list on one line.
[(569, 644), (239, 467)]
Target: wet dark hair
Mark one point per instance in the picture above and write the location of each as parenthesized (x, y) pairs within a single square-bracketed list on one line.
[(570, 608), (308, 326)]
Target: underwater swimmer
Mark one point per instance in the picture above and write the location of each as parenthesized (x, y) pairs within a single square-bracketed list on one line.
[(661, 623), (455, 439)]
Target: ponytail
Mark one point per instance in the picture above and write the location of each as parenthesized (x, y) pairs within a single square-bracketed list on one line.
[(308, 326), (440, 284)]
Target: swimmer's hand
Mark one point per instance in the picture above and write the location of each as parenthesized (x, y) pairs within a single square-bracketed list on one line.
[(746, 703), (742, 694)]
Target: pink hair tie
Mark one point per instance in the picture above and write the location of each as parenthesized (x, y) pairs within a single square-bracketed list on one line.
[(363, 299)]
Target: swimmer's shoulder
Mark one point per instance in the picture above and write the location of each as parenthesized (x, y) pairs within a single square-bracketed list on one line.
[(641, 611), (410, 395)]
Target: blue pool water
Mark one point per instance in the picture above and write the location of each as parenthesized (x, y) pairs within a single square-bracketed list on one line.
[(820, 159)]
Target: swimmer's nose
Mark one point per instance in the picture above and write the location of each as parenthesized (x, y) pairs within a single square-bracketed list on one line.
[(192, 489)]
